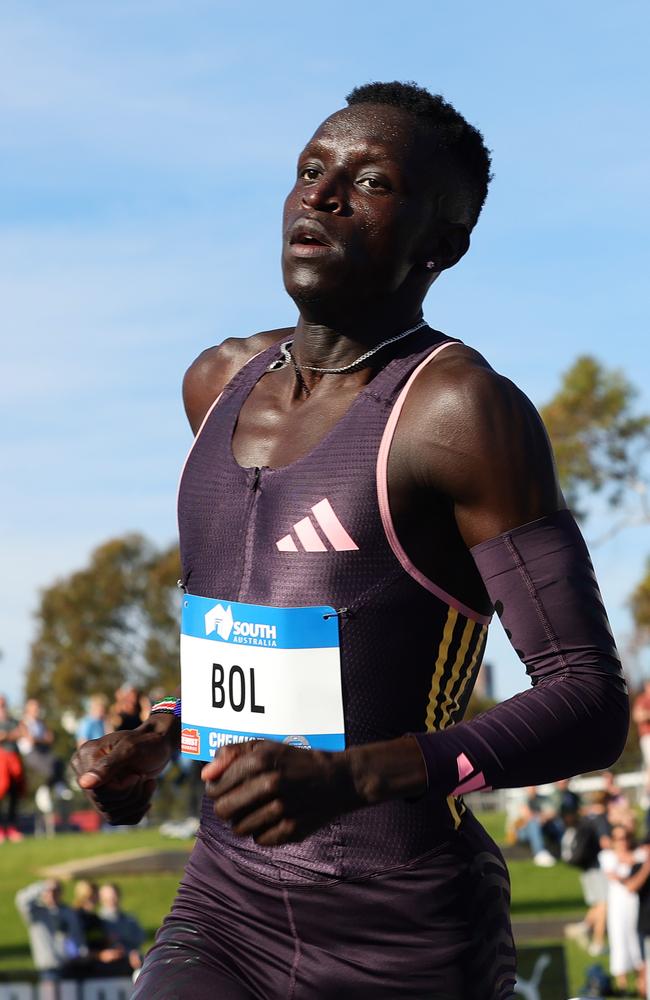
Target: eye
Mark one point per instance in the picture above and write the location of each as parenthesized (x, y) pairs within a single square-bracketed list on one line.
[(373, 183), (309, 173)]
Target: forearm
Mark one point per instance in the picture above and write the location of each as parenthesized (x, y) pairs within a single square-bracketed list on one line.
[(575, 718), (393, 769), (561, 727)]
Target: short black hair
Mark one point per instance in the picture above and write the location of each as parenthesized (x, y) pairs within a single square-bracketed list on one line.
[(463, 145)]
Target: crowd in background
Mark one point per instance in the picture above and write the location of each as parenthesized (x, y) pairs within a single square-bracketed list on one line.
[(29, 761), (92, 937), (599, 835)]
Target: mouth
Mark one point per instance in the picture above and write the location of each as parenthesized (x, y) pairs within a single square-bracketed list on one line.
[(307, 238)]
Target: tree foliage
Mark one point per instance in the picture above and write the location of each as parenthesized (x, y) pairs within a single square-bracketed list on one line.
[(600, 442), (640, 606), (112, 622)]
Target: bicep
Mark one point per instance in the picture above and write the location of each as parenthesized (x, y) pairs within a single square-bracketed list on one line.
[(509, 476)]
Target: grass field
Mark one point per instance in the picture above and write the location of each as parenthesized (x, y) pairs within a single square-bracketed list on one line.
[(536, 893)]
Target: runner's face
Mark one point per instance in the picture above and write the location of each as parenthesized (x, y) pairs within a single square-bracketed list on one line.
[(358, 220)]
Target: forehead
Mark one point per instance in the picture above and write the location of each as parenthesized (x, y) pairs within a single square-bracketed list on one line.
[(378, 129)]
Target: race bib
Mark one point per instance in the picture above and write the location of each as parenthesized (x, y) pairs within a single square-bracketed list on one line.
[(255, 672)]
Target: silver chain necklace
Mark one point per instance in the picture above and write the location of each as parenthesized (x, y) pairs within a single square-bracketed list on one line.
[(288, 358)]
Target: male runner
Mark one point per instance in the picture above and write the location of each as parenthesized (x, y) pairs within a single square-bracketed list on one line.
[(366, 462)]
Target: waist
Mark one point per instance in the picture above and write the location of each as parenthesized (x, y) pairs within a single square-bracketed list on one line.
[(358, 844)]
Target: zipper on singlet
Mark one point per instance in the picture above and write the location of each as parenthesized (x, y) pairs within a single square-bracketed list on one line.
[(251, 517)]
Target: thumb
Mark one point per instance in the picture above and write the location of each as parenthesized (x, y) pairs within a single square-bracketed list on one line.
[(224, 758), (105, 764), (90, 780)]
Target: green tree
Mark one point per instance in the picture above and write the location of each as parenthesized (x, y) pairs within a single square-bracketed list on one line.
[(112, 622), (600, 441), (640, 606), (601, 445)]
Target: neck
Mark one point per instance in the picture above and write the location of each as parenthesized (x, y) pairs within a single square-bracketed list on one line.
[(334, 346)]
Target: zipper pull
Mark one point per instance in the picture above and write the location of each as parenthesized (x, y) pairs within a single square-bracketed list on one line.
[(255, 478)]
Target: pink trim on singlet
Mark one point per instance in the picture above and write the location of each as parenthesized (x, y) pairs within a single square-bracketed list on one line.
[(384, 507), (465, 767), (203, 423), (475, 784)]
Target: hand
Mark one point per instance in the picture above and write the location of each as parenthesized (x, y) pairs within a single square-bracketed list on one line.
[(118, 771), (277, 793)]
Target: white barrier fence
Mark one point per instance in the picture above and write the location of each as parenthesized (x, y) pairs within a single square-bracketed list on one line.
[(508, 800), (84, 989)]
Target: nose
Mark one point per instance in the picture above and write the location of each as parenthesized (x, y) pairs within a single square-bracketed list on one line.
[(324, 195)]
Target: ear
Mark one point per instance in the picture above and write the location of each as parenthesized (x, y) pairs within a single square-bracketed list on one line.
[(451, 243)]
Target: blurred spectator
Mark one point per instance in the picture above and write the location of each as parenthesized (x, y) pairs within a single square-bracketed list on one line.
[(146, 704), (564, 801), (94, 724), (615, 794), (596, 809), (108, 958), (622, 906), (581, 847), (11, 775), (55, 933), (35, 741), (621, 813), (123, 928), (126, 710), (641, 715), (536, 819), (639, 882)]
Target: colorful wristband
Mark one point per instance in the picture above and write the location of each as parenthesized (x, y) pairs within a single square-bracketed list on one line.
[(172, 706)]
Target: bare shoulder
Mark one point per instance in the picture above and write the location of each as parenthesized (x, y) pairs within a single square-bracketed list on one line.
[(210, 373), (476, 438), (460, 389)]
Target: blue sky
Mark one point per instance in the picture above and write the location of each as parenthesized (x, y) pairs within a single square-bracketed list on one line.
[(146, 149)]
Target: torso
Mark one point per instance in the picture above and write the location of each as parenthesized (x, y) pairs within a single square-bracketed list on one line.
[(410, 651)]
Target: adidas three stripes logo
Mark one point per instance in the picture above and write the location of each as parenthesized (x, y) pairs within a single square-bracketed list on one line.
[(308, 539)]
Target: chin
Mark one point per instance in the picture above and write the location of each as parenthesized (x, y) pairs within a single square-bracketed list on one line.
[(310, 285), (323, 284)]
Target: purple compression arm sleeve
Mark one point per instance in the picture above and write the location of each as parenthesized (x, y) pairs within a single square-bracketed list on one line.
[(575, 717)]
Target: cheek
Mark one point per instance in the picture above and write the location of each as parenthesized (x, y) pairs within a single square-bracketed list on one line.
[(289, 206), (390, 245), (394, 232)]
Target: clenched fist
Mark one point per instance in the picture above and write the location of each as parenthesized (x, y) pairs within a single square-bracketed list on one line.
[(118, 771)]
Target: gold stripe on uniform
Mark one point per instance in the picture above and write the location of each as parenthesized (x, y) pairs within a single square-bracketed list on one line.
[(443, 650), (454, 806), (469, 673), (448, 704)]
